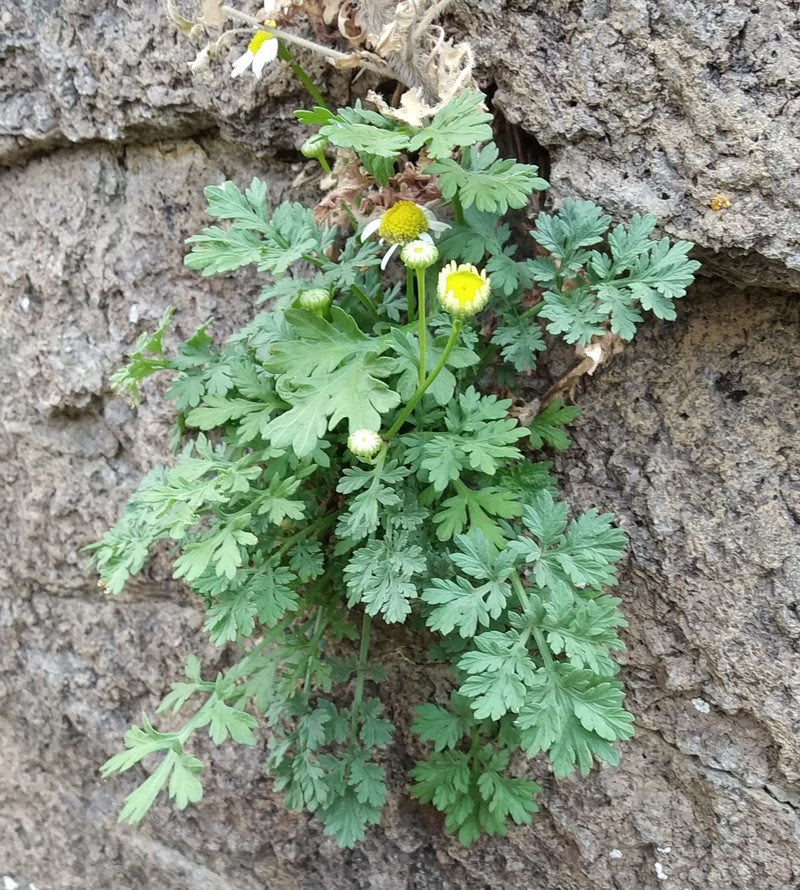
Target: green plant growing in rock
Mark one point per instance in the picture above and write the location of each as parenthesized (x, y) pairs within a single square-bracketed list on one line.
[(341, 463)]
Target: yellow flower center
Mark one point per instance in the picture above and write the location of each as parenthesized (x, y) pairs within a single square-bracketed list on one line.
[(464, 285), (259, 40), (403, 222), (463, 290)]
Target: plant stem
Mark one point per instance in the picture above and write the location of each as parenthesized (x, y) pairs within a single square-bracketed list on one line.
[(536, 632), (409, 295), (361, 671), (286, 56), (365, 300), (404, 414), (458, 210), (346, 58), (423, 329), (317, 525)]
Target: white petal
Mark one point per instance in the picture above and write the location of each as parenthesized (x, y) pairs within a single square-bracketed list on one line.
[(426, 237), (438, 226), (242, 64), (370, 228), (387, 256), (267, 52)]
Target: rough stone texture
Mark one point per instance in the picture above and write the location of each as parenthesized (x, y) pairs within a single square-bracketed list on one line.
[(690, 438), (655, 106)]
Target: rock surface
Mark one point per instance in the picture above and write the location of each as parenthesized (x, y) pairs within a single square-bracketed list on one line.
[(690, 438), (656, 106)]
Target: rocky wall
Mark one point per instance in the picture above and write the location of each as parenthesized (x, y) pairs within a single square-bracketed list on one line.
[(689, 437)]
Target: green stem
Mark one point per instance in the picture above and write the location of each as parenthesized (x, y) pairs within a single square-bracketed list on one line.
[(285, 56), (361, 671), (423, 329), (405, 413), (458, 210), (317, 525), (409, 295), (323, 162), (365, 300), (474, 752), (536, 632), (313, 661)]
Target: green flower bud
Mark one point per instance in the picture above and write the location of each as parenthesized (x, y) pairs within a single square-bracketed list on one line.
[(316, 299), (314, 147)]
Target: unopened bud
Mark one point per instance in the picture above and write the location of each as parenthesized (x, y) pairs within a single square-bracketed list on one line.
[(364, 443), (314, 147)]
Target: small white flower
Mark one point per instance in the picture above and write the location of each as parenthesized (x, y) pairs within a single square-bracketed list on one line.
[(364, 443), (261, 50), (401, 224)]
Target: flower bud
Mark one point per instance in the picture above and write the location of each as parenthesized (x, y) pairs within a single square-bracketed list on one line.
[(419, 254), (317, 299), (364, 443), (314, 147)]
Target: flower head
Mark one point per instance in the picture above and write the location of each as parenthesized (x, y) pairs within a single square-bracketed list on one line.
[(419, 254), (401, 224), (463, 290), (315, 299), (364, 443), (261, 50)]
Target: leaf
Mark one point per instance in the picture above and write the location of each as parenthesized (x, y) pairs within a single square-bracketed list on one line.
[(226, 721), (545, 428), (184, 786), (347, 818), (380, 574), (460, 123), (366, 132), (499, 671), (519, 341), (442, 727), (575, 314), (573, 714), (491, 183), (375, 731)]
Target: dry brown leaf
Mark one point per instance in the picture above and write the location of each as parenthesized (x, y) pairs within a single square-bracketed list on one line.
[(211, 14)]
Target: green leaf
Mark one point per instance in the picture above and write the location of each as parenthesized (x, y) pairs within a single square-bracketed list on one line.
[(519, 341), (545, 428), (365, 132), (226, 721), (347, 818), (375, 731), (499, 671), (184, 786), (491, 183), (508, 797), (574, 715), (460, 123), (442, 727), (381, 575), (575, 314)]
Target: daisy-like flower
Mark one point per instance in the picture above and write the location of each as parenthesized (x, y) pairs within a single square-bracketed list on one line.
[(401, 224), (261, 50), (419, 254), (463, 290), (364, 443)]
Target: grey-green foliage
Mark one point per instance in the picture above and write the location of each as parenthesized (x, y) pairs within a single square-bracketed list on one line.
[(295, 547)]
